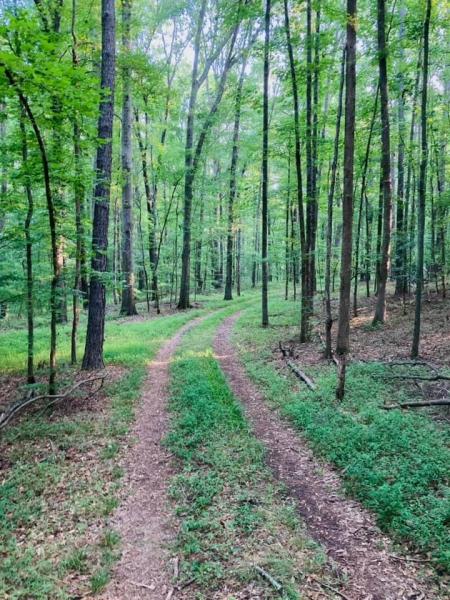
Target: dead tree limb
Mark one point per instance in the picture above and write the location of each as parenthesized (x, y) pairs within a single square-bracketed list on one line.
[(273, 582), (437, 377), (20, 405), (442, 402), (300, 374)]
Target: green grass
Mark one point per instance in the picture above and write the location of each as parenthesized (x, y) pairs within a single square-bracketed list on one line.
[(63, 475), (232, 514), (396, 462)]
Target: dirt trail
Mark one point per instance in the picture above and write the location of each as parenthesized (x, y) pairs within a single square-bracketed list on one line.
[(344, 528), (144, 519)]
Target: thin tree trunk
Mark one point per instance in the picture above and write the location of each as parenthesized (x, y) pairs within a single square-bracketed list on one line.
[(361, 201), (265, 172), (305, 314), (233, 190), (422, 187), (380, 309), (328, 315), (29, 256), (343, 345), (93, 355), (128, 307)]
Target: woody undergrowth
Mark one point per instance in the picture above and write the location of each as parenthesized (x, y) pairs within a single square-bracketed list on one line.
[(232, 514), (397, 463)]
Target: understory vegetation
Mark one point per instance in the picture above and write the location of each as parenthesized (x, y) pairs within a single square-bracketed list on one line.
[(61, 476), (396, 462)]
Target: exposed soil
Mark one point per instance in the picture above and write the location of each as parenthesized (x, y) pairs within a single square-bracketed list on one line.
[(361, 553), (144, 519)]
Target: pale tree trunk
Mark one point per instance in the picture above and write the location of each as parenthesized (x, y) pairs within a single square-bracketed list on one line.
[(93, 355), (422, 187), (265, 171), (128, 307), (380, 309), (343, 335)]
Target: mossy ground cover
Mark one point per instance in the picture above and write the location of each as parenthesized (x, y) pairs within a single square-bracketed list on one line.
[(59, 476), (233, 514), (396, 462)]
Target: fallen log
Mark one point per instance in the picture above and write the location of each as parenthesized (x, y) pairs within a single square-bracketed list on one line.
[(273, 582), (297, 372), (423, 403)]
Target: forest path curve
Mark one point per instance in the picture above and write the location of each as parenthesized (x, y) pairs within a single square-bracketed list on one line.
[(346, 530), (144, 519)]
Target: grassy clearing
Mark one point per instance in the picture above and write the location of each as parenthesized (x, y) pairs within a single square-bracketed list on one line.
[(397, 463), (233, 515), (60, 479)]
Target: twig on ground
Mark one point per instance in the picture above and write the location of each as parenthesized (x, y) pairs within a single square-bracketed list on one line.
[(273, 582), (142, 585), (330, 587), (18, 406), (411, 559)]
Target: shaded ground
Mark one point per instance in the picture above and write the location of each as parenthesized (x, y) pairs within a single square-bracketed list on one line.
[(392, 340), (363, 556)]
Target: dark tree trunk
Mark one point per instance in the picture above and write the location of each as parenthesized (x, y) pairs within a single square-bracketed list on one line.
[(232, 193), (305, 313), (29, 255), (380, 309), (361, 203), (265, 171), (343, 345), (329, 318), (422, 187), (93, 355)]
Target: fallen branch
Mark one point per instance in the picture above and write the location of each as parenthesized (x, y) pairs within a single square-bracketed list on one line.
[(443, 402), (411, 559), (436, 377), (406, 363), (273, 582), (330, 587), (20, 405), (300, 374)]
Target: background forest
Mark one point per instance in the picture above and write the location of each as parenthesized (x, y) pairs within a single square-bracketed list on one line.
[(286, 158)]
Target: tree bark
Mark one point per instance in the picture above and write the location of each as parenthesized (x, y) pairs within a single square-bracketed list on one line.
[(422, 187), (329, 318), (93, 355), (29, 255), (380, 309), (265, 171), (128, 307), (343, 345), (233, 191)]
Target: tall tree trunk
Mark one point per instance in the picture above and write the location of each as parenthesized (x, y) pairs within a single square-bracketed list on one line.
[(305, 313), (232, 193), (329, 317), (361, 203), (29, 255), (422, 187), (380, 309), (400, 241), (80, 281), (287, 240), (93, 355), (128, 295), (343, 345), (265, 172)]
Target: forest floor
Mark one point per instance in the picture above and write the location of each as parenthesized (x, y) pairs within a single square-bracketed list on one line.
[(239, 501)]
